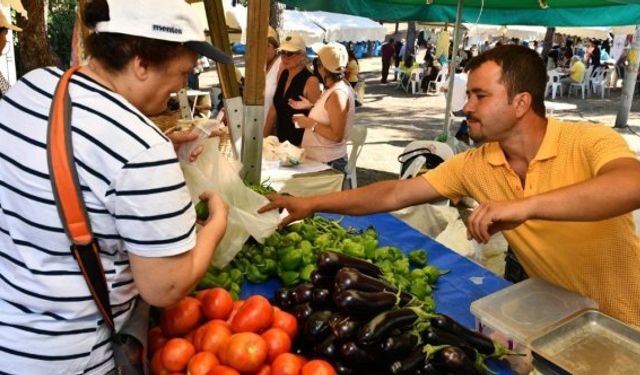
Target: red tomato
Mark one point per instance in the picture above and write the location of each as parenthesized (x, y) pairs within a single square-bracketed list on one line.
[(236, 306), (155, 340), (255, 315), (318, 367), (278, 342), (222, 370), (201, 363), (217, 304), (285, 321), (200, 294), (287, 364), (245, 352), (190, 336), (213, 337), (264, 370), (176, 353), (177, 320), (157, 368)]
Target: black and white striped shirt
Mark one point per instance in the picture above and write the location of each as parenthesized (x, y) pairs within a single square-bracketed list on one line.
[(137, 200)]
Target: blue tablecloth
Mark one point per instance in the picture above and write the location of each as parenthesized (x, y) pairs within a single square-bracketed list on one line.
[(465, 283)]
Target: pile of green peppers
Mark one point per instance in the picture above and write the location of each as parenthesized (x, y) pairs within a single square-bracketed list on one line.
[(291, 256)]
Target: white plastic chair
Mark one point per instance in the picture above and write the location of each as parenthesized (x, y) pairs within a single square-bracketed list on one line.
[(441, 149), (584, 85), (553, 83), (602, 81), (415, 79), (440, 81), (356, 139)]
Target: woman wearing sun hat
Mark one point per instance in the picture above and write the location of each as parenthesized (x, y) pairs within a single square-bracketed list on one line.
[(294, 81), (331, 117), (5, 26)]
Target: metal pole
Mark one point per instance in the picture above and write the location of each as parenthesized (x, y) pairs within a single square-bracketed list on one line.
[(629, 83), (452, 70)]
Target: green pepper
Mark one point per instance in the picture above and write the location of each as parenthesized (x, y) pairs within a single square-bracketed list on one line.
[(322, 241), (269, 252), (255, 276), (418, 258), (309, 232), (308, 256), (267, 267), (305, 272), (432, 273), (235, 289), (305, 245), (370, 245), (202, 210), (353, 248), (290, 278), (273, 240), (418, 274), (291, 260), (236, 275)]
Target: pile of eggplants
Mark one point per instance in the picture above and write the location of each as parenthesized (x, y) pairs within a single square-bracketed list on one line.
[(359, 322)]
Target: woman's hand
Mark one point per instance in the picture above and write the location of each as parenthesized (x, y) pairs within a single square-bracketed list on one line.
[(217, 206), (303, 121), (303, 103)]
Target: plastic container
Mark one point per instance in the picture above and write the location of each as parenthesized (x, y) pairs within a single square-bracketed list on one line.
[(203, 128), (522, 311)]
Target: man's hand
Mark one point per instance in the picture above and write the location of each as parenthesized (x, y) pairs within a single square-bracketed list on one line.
[(298, 208), (492, 217)]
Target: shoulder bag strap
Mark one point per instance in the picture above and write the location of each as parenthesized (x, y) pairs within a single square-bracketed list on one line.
[(68, 197)]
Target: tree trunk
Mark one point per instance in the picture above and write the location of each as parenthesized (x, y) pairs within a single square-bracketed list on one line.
[(275, 15), (411, 40), (548, 43), (33, 47)]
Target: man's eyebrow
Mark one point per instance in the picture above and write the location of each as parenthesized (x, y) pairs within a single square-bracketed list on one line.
[(476, 90)]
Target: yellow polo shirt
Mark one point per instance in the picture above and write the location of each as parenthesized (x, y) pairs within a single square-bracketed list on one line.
[(598, 259)]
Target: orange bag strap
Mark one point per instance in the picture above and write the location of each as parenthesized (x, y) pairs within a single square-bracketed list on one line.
[(68, 197)]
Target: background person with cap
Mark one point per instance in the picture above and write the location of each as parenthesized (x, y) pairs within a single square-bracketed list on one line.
[(273, 69), (294, 81), (331, 117), (138, 205), (5, 26)]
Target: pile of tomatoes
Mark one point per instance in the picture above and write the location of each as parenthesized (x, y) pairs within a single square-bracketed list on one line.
[(211, 334)]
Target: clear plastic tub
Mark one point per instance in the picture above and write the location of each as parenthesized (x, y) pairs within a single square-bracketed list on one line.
[(515, 314)]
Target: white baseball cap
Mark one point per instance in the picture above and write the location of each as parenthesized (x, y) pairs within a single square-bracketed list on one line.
[(334, 57), (293, 43), (169, 20)]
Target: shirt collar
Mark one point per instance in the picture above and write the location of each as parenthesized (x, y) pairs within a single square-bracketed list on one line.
[(548, 148)]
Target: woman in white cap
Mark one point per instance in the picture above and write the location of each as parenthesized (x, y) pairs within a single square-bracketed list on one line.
[(138, 205), (5, 26), (294, 81), (331, 118)]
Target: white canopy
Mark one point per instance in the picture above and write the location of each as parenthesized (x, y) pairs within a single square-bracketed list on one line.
[(522, 32), (347, 28), (595, 32), (294, 21)]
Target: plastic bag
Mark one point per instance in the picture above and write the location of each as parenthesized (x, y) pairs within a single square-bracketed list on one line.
[(202, 127), (212, 171)]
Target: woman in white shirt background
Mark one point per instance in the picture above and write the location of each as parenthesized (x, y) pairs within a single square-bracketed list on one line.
[(330, 120)]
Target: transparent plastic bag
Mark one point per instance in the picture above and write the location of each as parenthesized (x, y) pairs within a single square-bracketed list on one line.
[(212, 171), (202, 127)]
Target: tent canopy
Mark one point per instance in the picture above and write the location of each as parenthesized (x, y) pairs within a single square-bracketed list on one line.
[(346, 28), (294, 21), (495, 12)]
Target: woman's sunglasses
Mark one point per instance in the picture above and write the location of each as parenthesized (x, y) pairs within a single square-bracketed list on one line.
[(289, 53)]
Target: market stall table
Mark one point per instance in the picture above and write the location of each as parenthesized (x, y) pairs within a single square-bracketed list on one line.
[(310, 177), (455, 291)]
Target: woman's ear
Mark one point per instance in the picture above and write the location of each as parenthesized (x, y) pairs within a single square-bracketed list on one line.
[(140, 68)]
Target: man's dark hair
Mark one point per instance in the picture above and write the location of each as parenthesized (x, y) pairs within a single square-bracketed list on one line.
[(522, 71), (116, 50)]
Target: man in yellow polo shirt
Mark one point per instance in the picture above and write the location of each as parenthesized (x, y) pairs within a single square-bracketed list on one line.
[(560, 192), (576, 73)]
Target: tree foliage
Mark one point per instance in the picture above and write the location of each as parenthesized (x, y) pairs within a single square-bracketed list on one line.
[(62, 14)]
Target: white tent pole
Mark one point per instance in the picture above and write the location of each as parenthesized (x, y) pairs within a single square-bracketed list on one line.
[(629, 83), (452, 70)]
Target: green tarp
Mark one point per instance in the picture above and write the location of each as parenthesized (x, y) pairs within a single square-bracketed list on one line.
[(495, 12)]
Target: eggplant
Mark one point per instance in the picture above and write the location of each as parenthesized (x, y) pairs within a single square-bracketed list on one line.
[(350, 278), (282, 299), (329, 262), (316, 328), (302, 313), (364, 303), (354, 355), (321, 298), (344, 328), (320, 280), (454, 360), (302, 293), (436, 336), (410, 364), (429, 368), (328, 348), (384, 323), (342, 369), (474, 339), (392, 346)]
